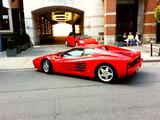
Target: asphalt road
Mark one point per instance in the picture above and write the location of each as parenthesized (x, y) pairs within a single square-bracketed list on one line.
[(26, 94)]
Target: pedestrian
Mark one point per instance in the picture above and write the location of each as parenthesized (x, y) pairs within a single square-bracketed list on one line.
[(124, 36), (130, 39), (137, 39)]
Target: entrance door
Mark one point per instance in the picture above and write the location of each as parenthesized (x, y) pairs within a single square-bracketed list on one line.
[(127, 12)]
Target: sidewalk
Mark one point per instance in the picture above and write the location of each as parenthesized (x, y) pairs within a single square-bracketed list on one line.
[(146, 52), (24, 60)]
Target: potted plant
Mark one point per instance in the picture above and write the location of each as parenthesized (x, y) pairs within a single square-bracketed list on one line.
[(12, 44), (157, 13), (119, 40), (27, 42)]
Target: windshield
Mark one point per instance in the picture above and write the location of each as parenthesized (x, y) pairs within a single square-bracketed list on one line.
[(82, 36), (78, 52)]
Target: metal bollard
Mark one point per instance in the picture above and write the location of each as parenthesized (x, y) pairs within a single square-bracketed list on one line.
[(151, 48), (1, 49), (151, 42), (159, 52)]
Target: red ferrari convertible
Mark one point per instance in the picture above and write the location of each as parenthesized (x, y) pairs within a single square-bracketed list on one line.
[(103, 62), (79, 40)]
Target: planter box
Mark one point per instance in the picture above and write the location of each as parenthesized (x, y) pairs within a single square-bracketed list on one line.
[(11, 52), (119, 43)]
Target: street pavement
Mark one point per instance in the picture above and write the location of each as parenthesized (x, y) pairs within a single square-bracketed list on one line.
[(24, 59)]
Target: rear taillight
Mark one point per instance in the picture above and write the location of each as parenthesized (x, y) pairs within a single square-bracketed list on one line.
[(134, 62), (129, 65)]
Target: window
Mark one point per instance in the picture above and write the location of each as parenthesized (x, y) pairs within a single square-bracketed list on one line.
[(83, 37), (88, 51), (73, 53)]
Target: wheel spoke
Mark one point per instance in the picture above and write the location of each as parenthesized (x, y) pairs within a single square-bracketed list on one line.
[(110, 74), (46, 66), (102, 70), (107, 69)]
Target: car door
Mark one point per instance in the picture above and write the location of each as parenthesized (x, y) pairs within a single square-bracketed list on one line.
[(75, 62), (68, 61)]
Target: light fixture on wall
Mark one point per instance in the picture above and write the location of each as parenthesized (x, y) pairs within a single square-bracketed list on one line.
[(61, 16)]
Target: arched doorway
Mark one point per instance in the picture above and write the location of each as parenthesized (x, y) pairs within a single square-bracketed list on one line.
[(46, 21)]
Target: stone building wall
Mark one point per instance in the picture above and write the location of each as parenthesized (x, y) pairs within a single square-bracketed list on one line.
[(93, 14)]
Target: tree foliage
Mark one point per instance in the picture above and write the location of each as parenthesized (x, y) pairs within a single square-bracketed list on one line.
[(157, 13)]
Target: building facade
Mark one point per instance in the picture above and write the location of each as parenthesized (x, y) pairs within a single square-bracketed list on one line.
[(11, 20), (90, 12), (94, 17), (129, 16)]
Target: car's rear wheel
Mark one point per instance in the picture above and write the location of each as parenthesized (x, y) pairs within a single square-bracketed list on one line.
[(47, 66), (105, 73)]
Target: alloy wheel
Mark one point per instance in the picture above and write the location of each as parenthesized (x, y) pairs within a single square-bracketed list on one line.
[(105, 73), (46, 66)]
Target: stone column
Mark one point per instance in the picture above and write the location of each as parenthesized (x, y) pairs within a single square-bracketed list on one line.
[(140, 21), (110, 7), (149, 20)]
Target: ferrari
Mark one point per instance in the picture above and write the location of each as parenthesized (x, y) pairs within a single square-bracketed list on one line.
[(103, 62), (79, 40)]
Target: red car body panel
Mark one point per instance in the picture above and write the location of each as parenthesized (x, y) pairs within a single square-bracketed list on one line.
[(125, 62), (81, 41)]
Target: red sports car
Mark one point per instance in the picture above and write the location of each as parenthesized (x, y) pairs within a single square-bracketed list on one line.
[(106, 63), (79, 40)]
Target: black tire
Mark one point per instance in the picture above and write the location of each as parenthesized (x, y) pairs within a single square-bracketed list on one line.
[(47, 66), (105, 73)]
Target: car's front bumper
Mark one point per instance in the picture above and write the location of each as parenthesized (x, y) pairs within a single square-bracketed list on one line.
[(37, 63)]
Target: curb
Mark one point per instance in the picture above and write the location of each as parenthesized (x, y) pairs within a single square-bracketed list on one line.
[(145, 61)]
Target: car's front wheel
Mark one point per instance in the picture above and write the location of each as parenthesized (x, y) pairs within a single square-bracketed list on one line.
[(47, 66), (66, 42), (76, 44), (105, 73)]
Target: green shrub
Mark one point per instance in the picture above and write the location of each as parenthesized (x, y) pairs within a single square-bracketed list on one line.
[(157, 13), (26, 38), (119, 37), (13, 40)]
